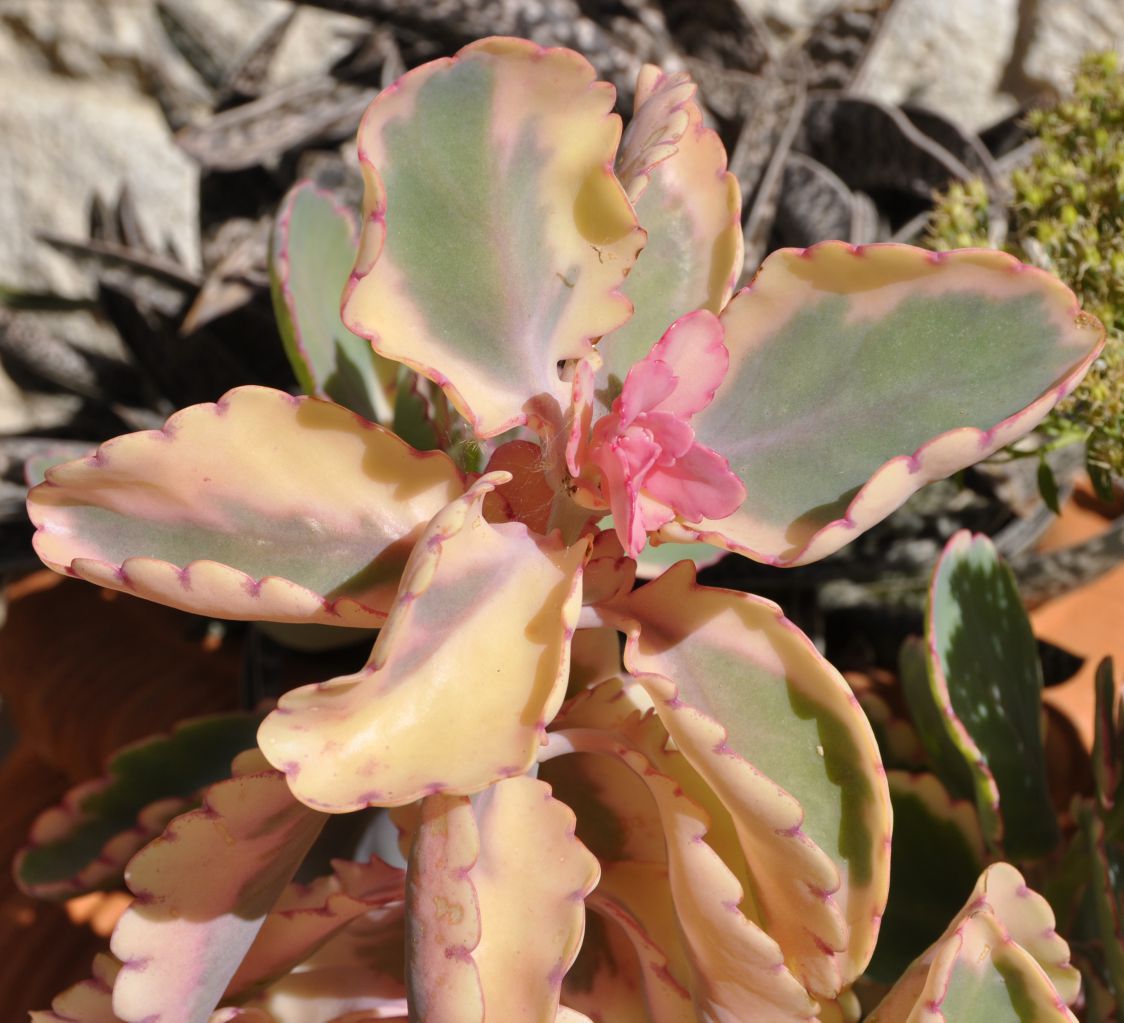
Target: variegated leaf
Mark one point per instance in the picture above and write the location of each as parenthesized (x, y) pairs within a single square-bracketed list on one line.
[(261, 506), (85, 842), (705, 923), (999, 961), (89, 1001), (306, 917), (311, 254), (462, 681), (203, 890), (983, 690), (674, 169), (490, 932), (623, 972), (777, 734), (858, 375), (358, 975), (495, 234)]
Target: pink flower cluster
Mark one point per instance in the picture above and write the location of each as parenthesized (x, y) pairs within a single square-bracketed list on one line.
[(652, 468)]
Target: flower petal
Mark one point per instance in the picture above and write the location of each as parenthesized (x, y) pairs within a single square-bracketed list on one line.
[(461, 682)]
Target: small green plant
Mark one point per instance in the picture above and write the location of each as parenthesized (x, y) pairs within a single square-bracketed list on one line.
[(1066, 214)]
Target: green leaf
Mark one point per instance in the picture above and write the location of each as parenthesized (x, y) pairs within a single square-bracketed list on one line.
[(310, 257), (986, 681), (1105, 893), (261, 506), (1048, 486), (84, 842)]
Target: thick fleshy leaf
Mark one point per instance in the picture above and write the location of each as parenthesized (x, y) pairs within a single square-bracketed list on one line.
[(261, 506), (491, 933), (737, 971), (358, 975), (985, 689), (311, 254), (85, 842), (90, 1001), (495, 234), (203, 890), (937, 855), (858, 375), (623, 972), (778, 736), (1001, 949), (462, 681), (941, 753), (674, 169), (307, 916)]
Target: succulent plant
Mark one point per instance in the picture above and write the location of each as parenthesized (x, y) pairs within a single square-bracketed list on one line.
[(697, 827)]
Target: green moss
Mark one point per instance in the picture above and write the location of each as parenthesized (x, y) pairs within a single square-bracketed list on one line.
[(1066, 213)]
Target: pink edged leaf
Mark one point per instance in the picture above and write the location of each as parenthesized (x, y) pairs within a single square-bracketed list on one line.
[(203, 890), (85, 841), (777, 734), (858, 375), (310, 257), (262, 506), (623, 972), (702, 924), (358, 974), (443, 923), (674, 169), (980, 698), (490, 932), (1000, 956), (495, 234), (307, 916), (491, 603), (90, 1001)]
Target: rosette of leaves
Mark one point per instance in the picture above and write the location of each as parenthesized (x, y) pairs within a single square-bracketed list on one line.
[(697, 827), (1064, 212)]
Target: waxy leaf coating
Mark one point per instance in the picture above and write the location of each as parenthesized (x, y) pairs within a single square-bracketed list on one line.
[(442, 706), (858, 375), (261, 506), (495, 234)]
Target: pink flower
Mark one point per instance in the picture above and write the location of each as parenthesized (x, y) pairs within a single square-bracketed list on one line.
[(652, 469)]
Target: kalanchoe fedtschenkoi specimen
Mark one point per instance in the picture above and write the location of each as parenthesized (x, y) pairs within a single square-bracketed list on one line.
[(728, 789)]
